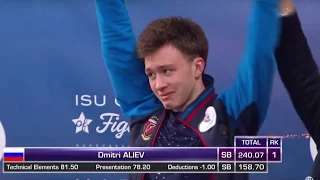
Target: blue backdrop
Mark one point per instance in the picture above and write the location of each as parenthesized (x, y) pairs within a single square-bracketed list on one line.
[(52, 72)]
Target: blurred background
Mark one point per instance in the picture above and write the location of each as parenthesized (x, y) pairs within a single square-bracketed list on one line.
[(52, 71)]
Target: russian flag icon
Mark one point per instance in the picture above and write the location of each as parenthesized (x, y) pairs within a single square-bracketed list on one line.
[(13, 154)]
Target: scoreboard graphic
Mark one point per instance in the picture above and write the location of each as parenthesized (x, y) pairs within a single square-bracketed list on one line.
[(250, 155)]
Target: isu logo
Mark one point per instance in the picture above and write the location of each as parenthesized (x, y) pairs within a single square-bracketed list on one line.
[(148, 128)]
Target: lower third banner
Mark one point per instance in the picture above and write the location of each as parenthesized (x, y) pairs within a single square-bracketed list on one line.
[(136, 167)]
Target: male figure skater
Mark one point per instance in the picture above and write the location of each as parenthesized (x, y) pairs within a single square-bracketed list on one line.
[(182, 108), (300, 75)]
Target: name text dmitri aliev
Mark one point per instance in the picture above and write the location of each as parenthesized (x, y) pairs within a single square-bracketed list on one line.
[(120, 155)]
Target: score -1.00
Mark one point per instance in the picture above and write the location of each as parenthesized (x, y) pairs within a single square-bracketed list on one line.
[(209, 167)]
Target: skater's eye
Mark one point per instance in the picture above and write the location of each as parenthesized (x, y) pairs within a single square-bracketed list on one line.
[(150, 75), (167, 71)]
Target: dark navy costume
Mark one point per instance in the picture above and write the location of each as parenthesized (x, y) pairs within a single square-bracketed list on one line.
[(239, 110), (175, 134)]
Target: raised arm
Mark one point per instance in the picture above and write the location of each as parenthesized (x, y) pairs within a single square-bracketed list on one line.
[(300, 74), (126, 72), (248, 100)]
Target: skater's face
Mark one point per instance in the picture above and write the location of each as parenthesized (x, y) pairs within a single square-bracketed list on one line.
[(173, 76)]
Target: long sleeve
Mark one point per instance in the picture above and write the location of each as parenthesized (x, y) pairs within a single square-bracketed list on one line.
[(251, 91), (126, 72), (300, 74)]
